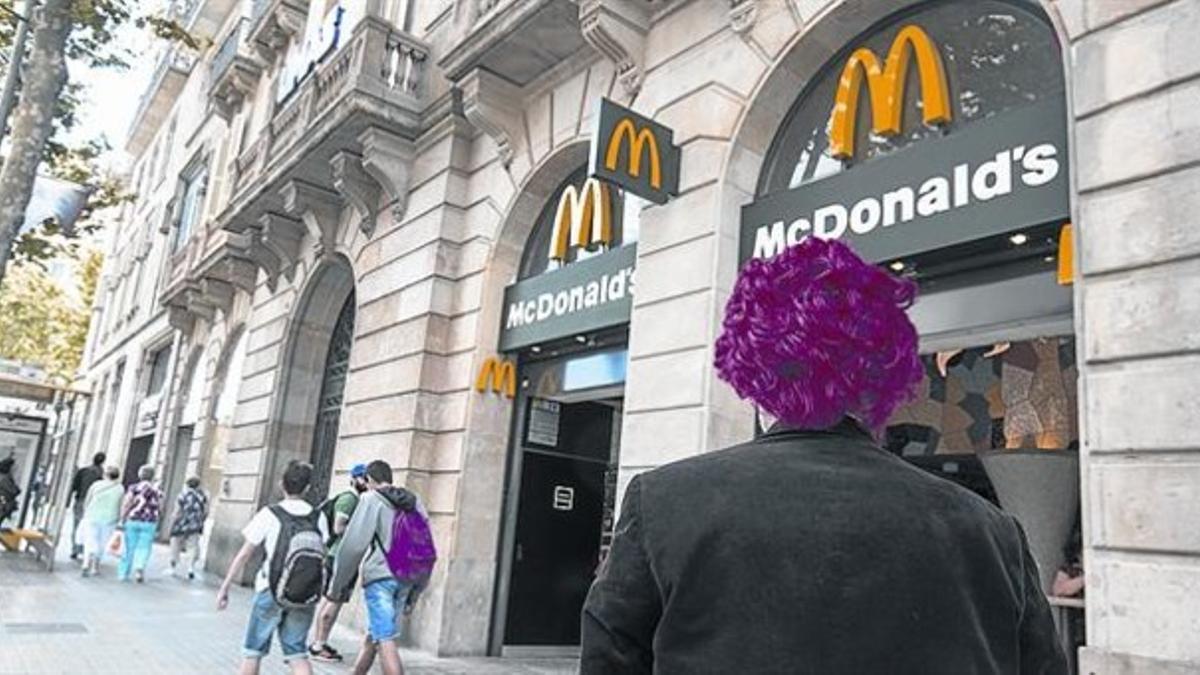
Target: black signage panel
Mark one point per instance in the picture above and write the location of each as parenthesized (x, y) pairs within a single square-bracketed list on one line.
[(634, 153), (584, 296), (994, 176)]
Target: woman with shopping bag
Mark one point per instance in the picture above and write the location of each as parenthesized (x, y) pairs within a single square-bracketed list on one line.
[(101, 508), (139, 521)]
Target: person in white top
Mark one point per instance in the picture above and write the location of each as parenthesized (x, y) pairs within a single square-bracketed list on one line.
[(267, 616)]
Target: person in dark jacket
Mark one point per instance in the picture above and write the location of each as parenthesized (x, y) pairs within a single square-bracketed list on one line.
[(811, 550), (80, 482), (9, 492)]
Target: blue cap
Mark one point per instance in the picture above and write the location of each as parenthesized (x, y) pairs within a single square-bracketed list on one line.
[(358, 470)]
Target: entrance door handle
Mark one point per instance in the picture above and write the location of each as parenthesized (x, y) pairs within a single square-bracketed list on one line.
[(520, 553)]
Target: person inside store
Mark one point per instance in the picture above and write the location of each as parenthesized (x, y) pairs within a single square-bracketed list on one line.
[(811, 549)]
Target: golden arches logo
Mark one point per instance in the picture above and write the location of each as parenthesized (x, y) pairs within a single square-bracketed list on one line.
[(885, 82), (639, 139), (499, 375), (583, 219)]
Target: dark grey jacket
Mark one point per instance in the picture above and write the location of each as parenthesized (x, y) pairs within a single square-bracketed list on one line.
[(814, 552)]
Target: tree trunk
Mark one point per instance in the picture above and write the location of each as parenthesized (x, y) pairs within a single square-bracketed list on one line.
[(42, 82)]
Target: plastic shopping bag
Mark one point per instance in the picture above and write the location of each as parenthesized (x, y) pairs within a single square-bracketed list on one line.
[(116, 544)]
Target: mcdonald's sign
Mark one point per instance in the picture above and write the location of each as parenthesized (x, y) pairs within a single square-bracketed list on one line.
[(583, 219), (635, 153), (498, 374), (885, 84)]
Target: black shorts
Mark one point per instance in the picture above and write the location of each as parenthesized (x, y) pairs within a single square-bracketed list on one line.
[(329, 581)]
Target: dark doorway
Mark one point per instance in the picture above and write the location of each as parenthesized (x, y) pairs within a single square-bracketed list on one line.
[(181, 447), (329, 406), (139, 453), (567, 456)]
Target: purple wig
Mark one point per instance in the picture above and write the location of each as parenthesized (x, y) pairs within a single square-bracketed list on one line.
[(815, 334)]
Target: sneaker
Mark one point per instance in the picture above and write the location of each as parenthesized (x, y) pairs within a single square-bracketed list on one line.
[(85, 572), (139, 577), (325, 653), (191, 576)]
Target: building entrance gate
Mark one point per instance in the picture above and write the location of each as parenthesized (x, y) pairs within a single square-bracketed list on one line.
[(329, 406)]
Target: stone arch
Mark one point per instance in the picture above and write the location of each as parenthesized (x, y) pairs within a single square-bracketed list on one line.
[(293, 411)]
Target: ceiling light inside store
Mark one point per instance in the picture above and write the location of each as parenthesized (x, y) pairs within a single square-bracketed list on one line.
[(536, 349), (1019, 238), (897, 266), (581, 339)]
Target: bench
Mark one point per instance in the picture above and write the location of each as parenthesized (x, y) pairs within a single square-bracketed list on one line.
[(35, 540)]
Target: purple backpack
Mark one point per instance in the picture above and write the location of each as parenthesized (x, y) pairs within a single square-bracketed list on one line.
[(412, 554)]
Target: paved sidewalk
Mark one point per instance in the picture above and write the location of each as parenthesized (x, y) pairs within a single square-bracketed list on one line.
[(62, 623)]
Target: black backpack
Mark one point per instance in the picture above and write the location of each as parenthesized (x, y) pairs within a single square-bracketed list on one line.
[(297, 572)]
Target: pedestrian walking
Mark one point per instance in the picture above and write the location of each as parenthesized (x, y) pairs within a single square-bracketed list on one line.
[(811, 549), (389, 544), (336, 512), (101, 509), (191, 510), (138, 523), (80, 483), (8, 489), (288, 583)]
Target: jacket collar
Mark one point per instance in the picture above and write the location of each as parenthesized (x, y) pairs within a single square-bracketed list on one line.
[(848, 427)]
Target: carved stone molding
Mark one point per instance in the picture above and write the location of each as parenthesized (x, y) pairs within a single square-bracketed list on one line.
[(742, 14), (282, 236), (282, 21), (216, 293), (493, 105), (318, 208), (388, 158), (251, 245), (234, 86), (240, 272), (357, 186), (617, 29), (180, 318)]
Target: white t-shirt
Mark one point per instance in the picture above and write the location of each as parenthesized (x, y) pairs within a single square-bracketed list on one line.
[(263, 530)]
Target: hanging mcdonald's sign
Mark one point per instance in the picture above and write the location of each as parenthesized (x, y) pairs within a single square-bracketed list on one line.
[(635, 153), (499, 375)]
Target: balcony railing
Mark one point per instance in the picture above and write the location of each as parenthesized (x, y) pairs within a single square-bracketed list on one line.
[(377, 63)]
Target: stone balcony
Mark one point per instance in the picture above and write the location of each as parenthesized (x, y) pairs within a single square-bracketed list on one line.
[(170, 74), (344, 137), (201, 18), (201, 277), (518, 40), (234, 73)]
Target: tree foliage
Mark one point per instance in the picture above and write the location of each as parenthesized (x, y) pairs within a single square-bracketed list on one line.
[(92, 43), (41, 323)]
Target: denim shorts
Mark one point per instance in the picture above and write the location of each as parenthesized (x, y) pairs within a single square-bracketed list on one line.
[(267, 617), (385, 600)]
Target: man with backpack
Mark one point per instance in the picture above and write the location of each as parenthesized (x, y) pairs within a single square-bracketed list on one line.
[(289, 582), (389, 536), (335, 512)]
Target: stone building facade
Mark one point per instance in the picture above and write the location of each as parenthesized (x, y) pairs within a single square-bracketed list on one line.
[(373, 175)]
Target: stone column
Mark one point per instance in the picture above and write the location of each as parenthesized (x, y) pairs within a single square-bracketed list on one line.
[(1134, 68)]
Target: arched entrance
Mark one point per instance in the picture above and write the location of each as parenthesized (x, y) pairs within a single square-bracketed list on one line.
[(329, 406), (307, 414)]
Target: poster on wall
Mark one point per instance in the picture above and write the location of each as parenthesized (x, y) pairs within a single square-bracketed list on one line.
[(544, 418)]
